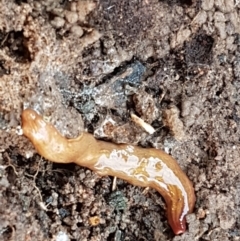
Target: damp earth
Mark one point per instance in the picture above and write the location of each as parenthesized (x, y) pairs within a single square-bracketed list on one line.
[(90, 65)]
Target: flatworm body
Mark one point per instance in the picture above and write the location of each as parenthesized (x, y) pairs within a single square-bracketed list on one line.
[(145, 167)]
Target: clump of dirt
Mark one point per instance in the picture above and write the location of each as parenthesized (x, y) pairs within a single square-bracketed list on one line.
[(87, 65)]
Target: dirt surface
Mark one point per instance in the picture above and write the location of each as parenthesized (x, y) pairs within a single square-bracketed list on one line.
[(87, 66)]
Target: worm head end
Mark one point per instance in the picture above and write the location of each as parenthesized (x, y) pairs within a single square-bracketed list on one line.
[(32, 124)]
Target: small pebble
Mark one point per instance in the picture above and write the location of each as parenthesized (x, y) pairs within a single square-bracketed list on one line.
[(77, 30), (58, 22), (71, 17)]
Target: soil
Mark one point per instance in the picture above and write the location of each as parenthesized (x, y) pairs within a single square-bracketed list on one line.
[(87, 65)]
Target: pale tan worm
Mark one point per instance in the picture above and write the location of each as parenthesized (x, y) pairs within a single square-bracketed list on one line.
[(145, 167)]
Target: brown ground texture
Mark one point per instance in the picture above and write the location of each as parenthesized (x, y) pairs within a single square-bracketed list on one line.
[(87, 66)]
